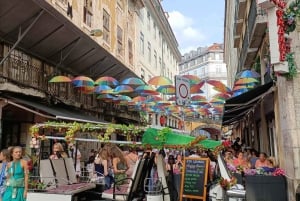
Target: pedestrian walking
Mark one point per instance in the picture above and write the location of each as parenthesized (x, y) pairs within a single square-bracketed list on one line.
[(5, 158), (17, 177)]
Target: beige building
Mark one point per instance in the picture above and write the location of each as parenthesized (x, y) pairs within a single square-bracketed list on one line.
[(42, 39), (157, 48), (270, 123)]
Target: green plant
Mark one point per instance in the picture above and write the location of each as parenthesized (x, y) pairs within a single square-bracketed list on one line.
[(292, 66), (290, 16)]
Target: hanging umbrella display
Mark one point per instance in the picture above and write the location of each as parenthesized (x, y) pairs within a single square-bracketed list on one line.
[(193, 79), (198, 98), (196, 89), (123, 89), (133, 81), (80, 81), (122, 98), (242, 81), (107, 80), (102, 88), (217, 101), (144, 89), (60, 78), (139, 99), (86, 89), (105, 97), (160, 81), (221, 96), (173, 98), (166, 89), (247, 74), (153, 98), (239, 87)]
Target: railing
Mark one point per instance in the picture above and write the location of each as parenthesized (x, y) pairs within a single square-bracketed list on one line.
[(25, 75)]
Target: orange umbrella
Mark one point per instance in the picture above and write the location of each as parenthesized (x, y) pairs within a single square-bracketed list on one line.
[(60, 78), (160, 81)]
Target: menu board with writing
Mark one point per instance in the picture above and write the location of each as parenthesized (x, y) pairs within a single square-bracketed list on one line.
[(194, 178)]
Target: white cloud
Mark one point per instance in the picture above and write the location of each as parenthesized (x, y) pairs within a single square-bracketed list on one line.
[(187, 34)]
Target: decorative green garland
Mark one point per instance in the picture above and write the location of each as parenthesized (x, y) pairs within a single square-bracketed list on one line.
[(292, 66)]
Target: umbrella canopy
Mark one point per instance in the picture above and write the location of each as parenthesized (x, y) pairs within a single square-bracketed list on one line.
[(123, 89), (221, 96), (242, 81), (80, 81), (198, 98), (144, 89), (107, 80), (247, 74), (173, 98), (86, 89), (122, 98), (196, 89), (193, 79), (166, 89), (102, 88), (105, 97), (139, 99), (60, 78), (133, 81), (160, 81)]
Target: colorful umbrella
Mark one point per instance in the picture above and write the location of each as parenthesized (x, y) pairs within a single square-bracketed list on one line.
[(193, 79), (198, 98), (144, 89), (173, 98), (133, 81), (105, 97), (196, 89), (154, 98), (80, 81), (166, 89), (122, 98), (86, 89), (242, 81), (107, 80), (102, 88), (139, 99), (123, 89), (160, 81), (239, 87), (222, 96), (60, 78), (247, 74), (217, 101)]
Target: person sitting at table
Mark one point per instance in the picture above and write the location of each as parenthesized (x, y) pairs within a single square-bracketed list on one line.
[(262, 161), (58, 151), (240, 161)]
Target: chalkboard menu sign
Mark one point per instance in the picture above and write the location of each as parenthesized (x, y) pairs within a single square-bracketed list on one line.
[(194, 178)]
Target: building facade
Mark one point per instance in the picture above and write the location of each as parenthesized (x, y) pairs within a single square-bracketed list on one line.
[(256, 40), (157, 51), (42, 39), (206, 63)]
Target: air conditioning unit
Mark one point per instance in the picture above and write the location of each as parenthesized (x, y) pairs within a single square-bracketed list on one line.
[(265, 4), (281, 67)]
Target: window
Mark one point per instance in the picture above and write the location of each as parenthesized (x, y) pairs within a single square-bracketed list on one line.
[(154, 30), (149, 52), (218, 68), (160, 64), (142, 43), (106, 26), (130, 52), (120, 40), (142, 73), (148, 20), (88, 12), (155, 59)]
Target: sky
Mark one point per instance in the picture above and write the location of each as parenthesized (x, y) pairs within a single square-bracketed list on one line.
[(196, 23)]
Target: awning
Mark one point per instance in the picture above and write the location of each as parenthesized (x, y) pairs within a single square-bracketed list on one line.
[(237, 107), (50, 111), (40, 30)]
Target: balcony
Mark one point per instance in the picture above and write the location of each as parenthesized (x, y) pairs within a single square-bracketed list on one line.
[(240, 11), (259, 28)]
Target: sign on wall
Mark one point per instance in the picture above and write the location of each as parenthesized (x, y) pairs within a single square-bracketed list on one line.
[(182, 87)]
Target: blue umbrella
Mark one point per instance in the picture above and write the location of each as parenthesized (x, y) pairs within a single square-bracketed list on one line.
[(133, 81), (247, 74)]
